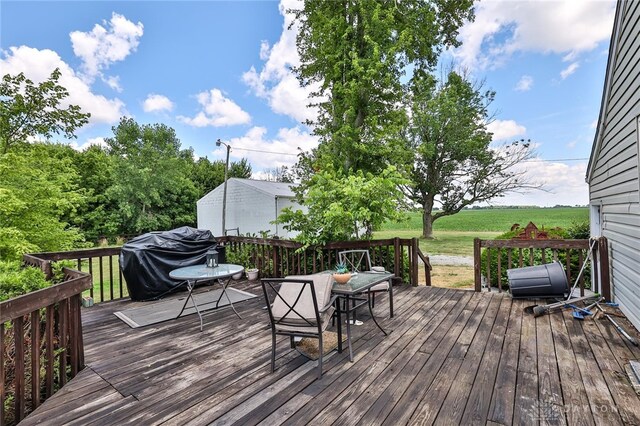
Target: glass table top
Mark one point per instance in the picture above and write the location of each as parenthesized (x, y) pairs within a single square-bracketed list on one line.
[(361, 281), (201, 272)]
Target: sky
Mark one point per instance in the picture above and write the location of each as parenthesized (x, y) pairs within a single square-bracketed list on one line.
[(221, 70)]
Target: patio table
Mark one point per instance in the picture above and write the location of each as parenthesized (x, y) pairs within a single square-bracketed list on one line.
[(199, 273), (358, 284)]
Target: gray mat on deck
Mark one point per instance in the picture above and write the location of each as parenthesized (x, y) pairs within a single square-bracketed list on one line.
[(156, 312)]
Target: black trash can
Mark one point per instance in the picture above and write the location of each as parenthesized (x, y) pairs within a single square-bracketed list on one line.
[(548, 280)]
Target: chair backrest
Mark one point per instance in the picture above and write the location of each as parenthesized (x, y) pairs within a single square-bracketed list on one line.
[(296, 300), (356, 260)]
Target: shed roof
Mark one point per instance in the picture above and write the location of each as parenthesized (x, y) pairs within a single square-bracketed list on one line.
[(277, 189)]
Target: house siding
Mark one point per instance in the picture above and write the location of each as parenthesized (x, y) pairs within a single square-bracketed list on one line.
[(614, 182)]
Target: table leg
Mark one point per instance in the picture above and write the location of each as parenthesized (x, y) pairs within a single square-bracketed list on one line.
[(390, 298), (190, 286), (224, 291), (373, 316), (339, 328), (349, 332)]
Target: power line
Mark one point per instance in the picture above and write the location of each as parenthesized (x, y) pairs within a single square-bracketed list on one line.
[(263, 151), (542, 160), (538, 160)]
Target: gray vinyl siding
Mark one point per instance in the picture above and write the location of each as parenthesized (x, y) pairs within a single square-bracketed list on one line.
[(614, 183)]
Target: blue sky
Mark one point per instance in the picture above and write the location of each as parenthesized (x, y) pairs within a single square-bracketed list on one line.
[(220, 69)]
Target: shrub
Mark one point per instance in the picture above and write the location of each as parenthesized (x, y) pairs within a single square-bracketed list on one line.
[(16, 281)]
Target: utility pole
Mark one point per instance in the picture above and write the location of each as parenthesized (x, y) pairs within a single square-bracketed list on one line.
[(224, 196)]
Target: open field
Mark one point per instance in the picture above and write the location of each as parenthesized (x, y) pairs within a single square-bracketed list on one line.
[(496, 220), (454, 234)]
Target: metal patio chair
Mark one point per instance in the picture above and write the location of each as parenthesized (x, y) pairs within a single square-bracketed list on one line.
[(360, 261), (299, 306)]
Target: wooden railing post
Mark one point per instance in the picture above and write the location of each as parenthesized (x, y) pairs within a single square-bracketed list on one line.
[(396, 256), (276, 266), (603, 257), (414, 262), (477, 277)]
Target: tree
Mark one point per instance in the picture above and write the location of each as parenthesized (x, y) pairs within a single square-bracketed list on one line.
[(37, 191), (30, 110), (278, 174), (97, 217), (207, 175), (151, 184), (453, 162), (358, 51), (343, 207)]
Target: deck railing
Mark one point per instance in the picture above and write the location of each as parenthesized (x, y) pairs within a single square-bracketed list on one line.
[(41, 345), (101, 263), (277, 258), (501, 255)]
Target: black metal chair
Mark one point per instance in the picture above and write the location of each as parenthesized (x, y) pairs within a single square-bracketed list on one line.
[(299, 306), (360, 261)]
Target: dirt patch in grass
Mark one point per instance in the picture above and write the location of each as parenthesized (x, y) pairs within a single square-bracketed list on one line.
[(449, 276)]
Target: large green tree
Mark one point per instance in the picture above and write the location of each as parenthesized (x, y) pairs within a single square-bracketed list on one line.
[(29, 110), (98, 215), (453, 164), (207, 175), (151, 185), (37, 192), (358, 51)]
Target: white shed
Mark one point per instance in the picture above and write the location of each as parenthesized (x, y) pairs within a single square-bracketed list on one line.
[(614, 184), (251, 207)]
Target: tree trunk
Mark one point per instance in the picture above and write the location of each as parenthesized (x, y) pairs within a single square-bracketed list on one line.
[(427, 220)]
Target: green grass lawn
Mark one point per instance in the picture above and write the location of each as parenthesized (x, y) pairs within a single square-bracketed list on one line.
[(496, 220), (454, 234)]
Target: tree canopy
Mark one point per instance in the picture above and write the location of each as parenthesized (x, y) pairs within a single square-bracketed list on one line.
[(358, 51), (453, 164), (37, 191), (28, 110), (345, 206)]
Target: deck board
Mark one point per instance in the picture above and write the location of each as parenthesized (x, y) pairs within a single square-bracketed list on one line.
[(451, 357)]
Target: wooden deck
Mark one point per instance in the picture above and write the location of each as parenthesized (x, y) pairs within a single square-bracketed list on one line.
[(452, 357)]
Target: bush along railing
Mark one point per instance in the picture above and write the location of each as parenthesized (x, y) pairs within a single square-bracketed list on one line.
[(102, 264), (500, 255), (278, 258), (41, 345)]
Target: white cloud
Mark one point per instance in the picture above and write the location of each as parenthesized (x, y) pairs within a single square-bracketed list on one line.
[(101, 46), (114, 83), (502, 28), (572, 144), (505, 129), (593, 124), (524, 84), (89, 142), (217, 111), (563, 183), (37, 65), (569, 70), (156, 103), (275, 82), (265, 50), (269, 153)]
